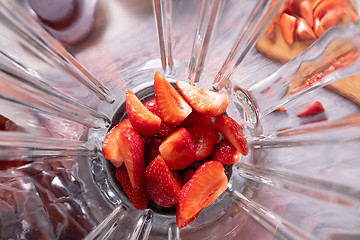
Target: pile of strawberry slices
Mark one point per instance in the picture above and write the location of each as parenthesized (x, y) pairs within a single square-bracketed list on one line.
[(169, 149)]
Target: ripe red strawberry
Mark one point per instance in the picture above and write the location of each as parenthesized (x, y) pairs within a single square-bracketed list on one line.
[(204, 136), (314, 109), (110, 148), (208, 183), (138, 196), (131, 147), (287, 25), (187, 174), (143, 121), (161, 184), (232, 131), (173, 108), (225, 153), (178, 149), (205, 102), (165, 129), (182, 223), (193, 118), (151, 149)]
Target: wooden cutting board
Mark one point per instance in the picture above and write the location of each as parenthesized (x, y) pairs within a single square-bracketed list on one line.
[(276, 48)]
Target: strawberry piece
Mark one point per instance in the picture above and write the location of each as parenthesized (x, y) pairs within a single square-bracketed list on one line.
[(151, 149), (132, 148), (225, 153), (110, 148), (182, 223), (232, 131), (172, 106), (303, 31), (177, 177), (165, 129), (208, 183), (143, 121), (204, 137), (178, 149), (281, 109), (205, 102), (187, 174), (287, 25), (161, 184), (138, 196), (193, 118), (306, 12), (314, 109)]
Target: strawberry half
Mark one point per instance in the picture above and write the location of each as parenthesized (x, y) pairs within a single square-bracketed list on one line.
[(165, 129), (208, 183), (110, 148), (182, 223), (232, 131), (161, 184), (178, 149), (287, 25), (205, 102), (314, 109), (204, 137), (143, 121), (138, 196), (303, 31), (172, 106), (131, 146), (225, 153)]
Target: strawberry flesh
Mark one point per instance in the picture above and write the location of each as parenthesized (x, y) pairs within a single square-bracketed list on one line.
[(161, 184), (205, 102), (143, 121), (314, 109), (233, 132), (137, 196), (178, 149), (225, 153), (110, 147), (208, 183), (132, 148), (172, 106), (204, 136), (287, 25)]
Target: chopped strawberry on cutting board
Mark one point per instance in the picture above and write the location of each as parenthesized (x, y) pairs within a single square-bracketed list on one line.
[(207, 184), (160, 184)]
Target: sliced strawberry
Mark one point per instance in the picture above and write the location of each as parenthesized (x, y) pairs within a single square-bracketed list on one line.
[(143, 121), (314, 109), (165, 129), (110, 148), (232, 131), (303, 31), (138, 196), (208, 183), (161, 184), (193, 118), (281, 109), (225, 153), (187, 174), (178, 149), (204, 136), (205, 102), (172, 106), (180, 222), (151, 149), (131, 146), (306, 11), (287, 25)]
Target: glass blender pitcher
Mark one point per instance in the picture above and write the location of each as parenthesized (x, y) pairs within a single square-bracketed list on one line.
[(63, 80)]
